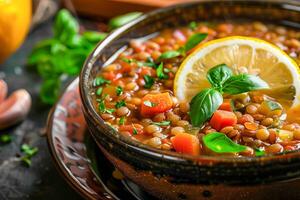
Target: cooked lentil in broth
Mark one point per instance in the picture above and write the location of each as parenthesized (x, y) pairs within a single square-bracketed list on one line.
[(125, 89)]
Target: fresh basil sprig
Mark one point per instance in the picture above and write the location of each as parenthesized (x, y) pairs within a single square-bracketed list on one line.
[(220, 143), (218, 75), (191, 43), (62, 55), (243, 83), (206, 102)]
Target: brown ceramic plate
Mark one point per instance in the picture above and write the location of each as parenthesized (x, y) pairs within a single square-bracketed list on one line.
[(77, 157)]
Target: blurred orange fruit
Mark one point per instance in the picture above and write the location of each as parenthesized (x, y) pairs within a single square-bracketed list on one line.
[(15, 17)]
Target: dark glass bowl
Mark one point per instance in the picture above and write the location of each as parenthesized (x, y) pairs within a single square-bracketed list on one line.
[(169, 175)]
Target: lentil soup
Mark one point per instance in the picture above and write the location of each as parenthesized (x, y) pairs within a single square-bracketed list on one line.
[(135, 95)]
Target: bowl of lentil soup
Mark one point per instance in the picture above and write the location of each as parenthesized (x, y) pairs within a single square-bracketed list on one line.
[(182, 134)]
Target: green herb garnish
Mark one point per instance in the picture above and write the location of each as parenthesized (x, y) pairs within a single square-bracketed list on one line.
[(134, 131), (149, 81), (220, 143), (162, 123), (102, 108), (160, 72), (193, 25), (99, 91), (206, 102), (100, 81), (191, 43), (29, 153), (120, 104), (122, 120), (119, 90), (149, 103), (5, 138)]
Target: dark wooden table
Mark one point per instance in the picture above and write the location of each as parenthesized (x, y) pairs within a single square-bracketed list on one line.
[(41, 180)]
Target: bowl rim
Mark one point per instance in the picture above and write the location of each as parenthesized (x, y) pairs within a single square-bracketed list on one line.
[(145, 149)]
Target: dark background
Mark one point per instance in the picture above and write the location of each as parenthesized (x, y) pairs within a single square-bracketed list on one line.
[(41, 180)]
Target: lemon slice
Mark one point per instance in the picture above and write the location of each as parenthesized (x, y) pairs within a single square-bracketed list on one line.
[(242, 55)]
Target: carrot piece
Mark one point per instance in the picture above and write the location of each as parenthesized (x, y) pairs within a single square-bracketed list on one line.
[(226, 105), (222, 118), (153, 104), (132, 128), (186, 143)]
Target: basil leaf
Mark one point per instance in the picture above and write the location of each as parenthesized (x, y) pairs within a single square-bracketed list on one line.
[(149, 81), (160, 72), (50, 90), (65, 27), (203, 105), (243, 83), (194, 40), (218, 75), (123, 19), (169, 54), (162, 123), (220, 143)]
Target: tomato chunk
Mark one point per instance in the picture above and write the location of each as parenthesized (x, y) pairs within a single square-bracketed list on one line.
[(186, 143), (153, 104), (222, 118), (226, 105)]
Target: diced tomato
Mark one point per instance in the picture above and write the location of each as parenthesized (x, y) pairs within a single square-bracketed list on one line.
[(125, 67), (222, 118), (159, 103), (186, 143), (130, 128), (226, 105), (111, 75)]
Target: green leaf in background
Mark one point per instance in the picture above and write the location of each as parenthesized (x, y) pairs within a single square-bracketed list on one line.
[(243, 83), (218, 75), (220, 143), (62, 55), (194, 40), (50, 90), (123, 19), (65, 27), (203, 105), (5, 138)]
